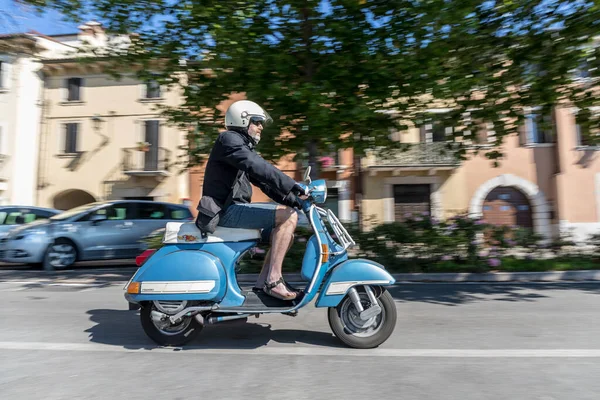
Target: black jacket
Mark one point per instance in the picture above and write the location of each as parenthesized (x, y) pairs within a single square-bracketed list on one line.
[(232, 152)]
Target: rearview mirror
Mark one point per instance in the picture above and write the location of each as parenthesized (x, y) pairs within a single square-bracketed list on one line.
[(307, 175)]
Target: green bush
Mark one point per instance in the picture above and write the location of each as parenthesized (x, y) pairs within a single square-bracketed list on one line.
[(423, 244), (420, 242)]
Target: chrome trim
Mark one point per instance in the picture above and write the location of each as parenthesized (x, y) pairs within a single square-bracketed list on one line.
[(318, 268), (176, 287), (343, 236), (336, 288), (353, 294)]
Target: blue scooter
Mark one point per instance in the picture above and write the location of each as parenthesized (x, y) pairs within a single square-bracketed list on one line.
[(191, 281)]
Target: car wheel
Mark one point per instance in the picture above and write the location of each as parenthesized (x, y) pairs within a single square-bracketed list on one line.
[(60, 255)]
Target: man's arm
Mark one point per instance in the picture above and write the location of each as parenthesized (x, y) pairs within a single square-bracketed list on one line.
[(237, 154), (290, 199)]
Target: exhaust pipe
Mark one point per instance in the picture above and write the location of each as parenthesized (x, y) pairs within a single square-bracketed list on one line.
[(175, 318)]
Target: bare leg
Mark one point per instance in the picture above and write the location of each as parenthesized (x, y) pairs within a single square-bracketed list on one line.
[(264, 271), (265, 268), (281, 240)]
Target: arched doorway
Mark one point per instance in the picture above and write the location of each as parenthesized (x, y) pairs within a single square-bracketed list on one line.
[(507, 206), (540, 214), (72, 198)]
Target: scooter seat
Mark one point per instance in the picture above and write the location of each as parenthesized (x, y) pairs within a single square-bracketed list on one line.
[(188, 232)]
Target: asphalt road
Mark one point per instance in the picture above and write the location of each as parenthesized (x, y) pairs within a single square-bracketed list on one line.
[(74, 338)]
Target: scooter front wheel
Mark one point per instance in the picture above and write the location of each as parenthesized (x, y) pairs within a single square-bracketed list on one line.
[(166, 334), (346, 324)]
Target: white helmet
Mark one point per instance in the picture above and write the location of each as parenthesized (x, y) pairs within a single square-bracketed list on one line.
[(240, 113)]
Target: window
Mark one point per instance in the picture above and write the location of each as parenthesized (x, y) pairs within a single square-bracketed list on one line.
[(539, 129), (74, 89), (152, 90), (70, 143), (2, 132), (17, 217), (151, 211), (4, 75), (117, 212), (584, 138), (435, 132), (180, 213)]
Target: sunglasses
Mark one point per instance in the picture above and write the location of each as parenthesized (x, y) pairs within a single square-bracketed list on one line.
[(257, 122)]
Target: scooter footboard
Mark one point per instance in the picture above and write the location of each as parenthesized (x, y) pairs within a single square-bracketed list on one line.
[(172, 274), (351, 273)]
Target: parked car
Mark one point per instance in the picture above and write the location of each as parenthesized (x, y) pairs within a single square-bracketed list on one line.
[(95, 231), (13, 216)]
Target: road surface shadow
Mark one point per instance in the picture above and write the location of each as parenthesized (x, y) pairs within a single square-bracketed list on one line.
[(455, 294), (123, 328), (93, 275)]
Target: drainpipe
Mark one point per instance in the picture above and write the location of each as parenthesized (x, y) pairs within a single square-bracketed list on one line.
[(42, 136)]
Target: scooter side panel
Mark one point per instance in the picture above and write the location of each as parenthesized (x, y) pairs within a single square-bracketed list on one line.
[(351, 273), (176, 273), (310, 260)]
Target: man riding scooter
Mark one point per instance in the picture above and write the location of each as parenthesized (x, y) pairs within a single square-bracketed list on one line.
[(232, 166)]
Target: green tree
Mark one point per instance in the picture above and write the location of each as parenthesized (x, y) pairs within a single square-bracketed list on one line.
[(338, 74)]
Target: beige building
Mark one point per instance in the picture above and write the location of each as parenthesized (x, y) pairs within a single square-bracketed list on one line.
[(102, 138), (548, 180)]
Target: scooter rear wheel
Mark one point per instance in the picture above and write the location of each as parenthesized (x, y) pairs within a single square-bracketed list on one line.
[(166, 334), (355, 332)]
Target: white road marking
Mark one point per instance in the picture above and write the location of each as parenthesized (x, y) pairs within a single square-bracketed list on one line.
[(311, 351)]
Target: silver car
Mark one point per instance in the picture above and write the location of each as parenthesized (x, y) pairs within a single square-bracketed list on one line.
[(13, 216), (95, 231)]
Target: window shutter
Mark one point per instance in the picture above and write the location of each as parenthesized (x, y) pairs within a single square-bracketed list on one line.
[(73, 87), (5, 75), (71, 138)]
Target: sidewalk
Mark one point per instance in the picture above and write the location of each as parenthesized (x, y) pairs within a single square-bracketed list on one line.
[(123, 274)]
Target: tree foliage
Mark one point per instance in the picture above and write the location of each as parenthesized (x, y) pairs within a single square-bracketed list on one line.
[(341, 73)]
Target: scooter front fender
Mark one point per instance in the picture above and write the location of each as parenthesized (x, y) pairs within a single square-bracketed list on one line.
[(348, 274), (180, 274)]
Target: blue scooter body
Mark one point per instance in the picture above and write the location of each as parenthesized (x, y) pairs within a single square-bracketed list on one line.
[(206, 271)]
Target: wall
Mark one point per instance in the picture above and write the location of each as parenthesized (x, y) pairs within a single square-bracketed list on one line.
[(578, 183), (98, 168), (20, 121)]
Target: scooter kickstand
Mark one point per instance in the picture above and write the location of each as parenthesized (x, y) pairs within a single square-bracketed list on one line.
[(293, 313)]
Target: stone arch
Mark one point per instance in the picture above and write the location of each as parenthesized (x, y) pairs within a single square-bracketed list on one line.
[(541, 212), (71, 198)]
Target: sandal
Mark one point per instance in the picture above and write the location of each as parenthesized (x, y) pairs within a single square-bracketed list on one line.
[(269, 286), (287, 285)]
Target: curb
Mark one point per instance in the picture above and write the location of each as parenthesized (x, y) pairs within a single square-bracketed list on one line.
[(552, 276)]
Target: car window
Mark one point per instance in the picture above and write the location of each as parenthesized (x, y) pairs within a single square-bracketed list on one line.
[(115, 212), (151, 211), (179, 213), (18, 217), (41, 214)]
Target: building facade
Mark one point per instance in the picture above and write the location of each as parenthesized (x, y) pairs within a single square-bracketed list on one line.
[(21, 91), (103, 138), (548, 179)]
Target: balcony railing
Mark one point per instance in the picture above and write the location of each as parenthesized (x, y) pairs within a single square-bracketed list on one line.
[(418, 155), (152, 162)]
